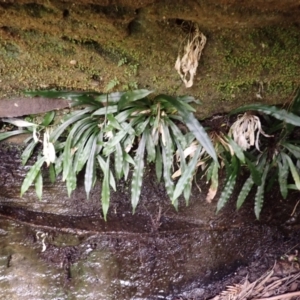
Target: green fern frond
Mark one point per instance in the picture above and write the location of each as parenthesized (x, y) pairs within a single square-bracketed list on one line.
[(244, 192), (259, 196)]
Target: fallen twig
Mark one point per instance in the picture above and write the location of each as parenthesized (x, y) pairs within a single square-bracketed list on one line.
[(293, 212)]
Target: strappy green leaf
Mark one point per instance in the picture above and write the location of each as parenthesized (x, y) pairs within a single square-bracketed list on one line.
[(48, 118), (295, 150), (68, 154), (193, 125), (83, 132), (125, 168), (293, 170), (31, 175), (105, 192), (103, 167), (58, 165), (89, 176), (71, 182), (238, 151), (177, 134), (131, 96), (106, 110), (180, 154), (39, 185), (19, 122), (200, 134), (244, 192), (137, 175), (127, 129), (259, 196), (77, 98), (227, 191), (177, 103), (141, 126), (255, 172), (158, 164), (150, 147), (56, 94), (214, 181), (277, 113), (8, 134), (283, 172), (110, 98), (72, 118), (52, 173), (167, 158), (118, 161), (83, 155), (229, 185), (186, 176), (186, 193), (28, 151)]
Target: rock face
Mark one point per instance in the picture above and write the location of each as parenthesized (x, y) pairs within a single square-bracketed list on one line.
[(251, 54), (252, 50), (67, 248)]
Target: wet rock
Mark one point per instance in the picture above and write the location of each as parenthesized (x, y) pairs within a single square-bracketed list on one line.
[(157, 252)]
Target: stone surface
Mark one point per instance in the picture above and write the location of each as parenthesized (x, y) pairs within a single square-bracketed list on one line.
[(70, 250), (252, 54), (252, 51)]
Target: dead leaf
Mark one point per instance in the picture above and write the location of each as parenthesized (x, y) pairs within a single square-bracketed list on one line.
[(211, 194)]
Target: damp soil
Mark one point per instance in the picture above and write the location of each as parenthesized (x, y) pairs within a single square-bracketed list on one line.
[(158, 253)]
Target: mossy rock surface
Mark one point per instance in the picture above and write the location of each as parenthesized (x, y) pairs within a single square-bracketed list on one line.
[(251, 55)]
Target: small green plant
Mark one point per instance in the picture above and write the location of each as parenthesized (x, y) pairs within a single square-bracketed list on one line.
[(275, 157), (278, 160), (134, 68), (132, 85), (270, 155), (122, 61), (39, 131), (101, 136), (112, 84)]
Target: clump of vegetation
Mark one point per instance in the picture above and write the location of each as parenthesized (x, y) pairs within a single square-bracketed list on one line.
[(115, 132), (271, 155), (278, 160), (121, 131)]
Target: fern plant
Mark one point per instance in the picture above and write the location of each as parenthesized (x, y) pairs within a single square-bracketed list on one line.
[(103, 134), (122, 131), (278, 157), (270, 154), (229, 156), (38, 133)]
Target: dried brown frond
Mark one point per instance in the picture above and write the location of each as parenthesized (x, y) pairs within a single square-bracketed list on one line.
[(188, 64), (246, 130), (273, 285)]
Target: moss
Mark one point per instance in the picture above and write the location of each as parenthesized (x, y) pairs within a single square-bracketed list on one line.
[(234, 63), (239, 62), (37, 10), (10, 49)]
